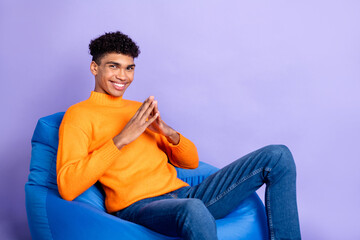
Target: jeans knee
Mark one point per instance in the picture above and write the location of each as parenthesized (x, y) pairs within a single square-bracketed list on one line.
[(193, 205), (277, 149), (195, 220), (284, 157), (195, 209)]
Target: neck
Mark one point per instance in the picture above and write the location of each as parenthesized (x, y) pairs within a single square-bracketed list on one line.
[(105, 99)]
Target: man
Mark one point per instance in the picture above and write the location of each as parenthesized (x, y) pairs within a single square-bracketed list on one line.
[(131, 151)]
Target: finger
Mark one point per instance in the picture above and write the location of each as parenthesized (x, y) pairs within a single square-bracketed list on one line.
[(156, 107), (151, 120), (159, 117), (148, 111), (155, 110), (140, 108), (145, 106)]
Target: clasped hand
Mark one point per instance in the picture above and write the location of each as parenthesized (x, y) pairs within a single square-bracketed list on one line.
[(147, 116)]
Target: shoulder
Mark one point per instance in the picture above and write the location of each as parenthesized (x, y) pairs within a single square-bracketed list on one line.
[(132, 104), (78, 113)]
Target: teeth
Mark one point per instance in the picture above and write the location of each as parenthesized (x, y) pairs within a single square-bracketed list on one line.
[(119, 84)]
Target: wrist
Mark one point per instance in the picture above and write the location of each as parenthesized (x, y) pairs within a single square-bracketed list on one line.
[(173, 138), (119, 142)]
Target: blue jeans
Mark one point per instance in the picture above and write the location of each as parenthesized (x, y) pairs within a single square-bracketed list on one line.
[(190, 212)]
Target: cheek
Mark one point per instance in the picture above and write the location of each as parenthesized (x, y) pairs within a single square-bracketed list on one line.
[(131, 76), (106, 76)]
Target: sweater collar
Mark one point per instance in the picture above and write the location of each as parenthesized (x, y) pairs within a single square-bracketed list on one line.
[(105, 99)]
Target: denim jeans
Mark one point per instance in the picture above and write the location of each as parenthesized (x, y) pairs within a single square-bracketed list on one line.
[(190, 212)]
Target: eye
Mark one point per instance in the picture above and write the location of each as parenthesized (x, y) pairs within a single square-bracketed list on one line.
[(113, 66), (130, 68)]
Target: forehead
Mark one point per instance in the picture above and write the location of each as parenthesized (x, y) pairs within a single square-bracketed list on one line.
[(117, 58)]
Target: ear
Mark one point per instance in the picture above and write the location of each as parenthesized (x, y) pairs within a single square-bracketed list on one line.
[(94, 68)]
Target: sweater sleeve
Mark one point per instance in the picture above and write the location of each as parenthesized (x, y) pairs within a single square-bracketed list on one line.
[(77, 169), (183, 155)]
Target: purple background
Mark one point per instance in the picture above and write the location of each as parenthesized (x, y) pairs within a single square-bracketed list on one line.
[(232, 76)]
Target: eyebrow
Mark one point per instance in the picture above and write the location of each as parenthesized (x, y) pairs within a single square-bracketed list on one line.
[(118, 64)]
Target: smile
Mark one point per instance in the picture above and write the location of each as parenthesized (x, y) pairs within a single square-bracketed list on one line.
[(118, 86)]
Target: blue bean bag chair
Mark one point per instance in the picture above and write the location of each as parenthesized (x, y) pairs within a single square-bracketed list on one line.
[(51, 217)]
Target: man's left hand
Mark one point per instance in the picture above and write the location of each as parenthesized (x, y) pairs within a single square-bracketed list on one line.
[(159, 126)]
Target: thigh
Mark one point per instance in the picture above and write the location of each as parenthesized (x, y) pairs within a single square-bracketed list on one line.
[(160, 216), (222, 191), (169, 215)]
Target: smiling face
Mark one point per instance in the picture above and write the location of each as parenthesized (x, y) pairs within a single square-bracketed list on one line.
[(114, 74)]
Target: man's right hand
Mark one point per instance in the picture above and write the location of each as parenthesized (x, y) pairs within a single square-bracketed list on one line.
[(137, 124)]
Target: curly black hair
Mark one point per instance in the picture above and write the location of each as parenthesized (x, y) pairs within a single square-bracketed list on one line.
[(112, 42)]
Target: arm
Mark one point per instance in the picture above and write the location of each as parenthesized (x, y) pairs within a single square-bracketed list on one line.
[(182, 155), (77, 169), (180, 150)]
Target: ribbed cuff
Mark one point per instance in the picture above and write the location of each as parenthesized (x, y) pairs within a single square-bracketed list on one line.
[(109, 152), (182, 146)]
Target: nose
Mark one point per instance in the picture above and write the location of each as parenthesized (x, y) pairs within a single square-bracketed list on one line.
[(121, 74)]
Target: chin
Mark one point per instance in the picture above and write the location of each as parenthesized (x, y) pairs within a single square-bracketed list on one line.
[(116, 94)]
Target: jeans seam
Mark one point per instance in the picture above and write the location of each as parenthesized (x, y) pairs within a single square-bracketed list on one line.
[(269, 215), (172, 195), (253, 173)]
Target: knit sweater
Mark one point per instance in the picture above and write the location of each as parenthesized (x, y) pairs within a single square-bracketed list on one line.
[(141, 169)]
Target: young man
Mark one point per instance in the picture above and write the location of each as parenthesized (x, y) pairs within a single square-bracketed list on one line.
[(127, 147)]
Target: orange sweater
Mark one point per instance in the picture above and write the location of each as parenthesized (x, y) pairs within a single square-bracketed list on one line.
[(87, 154)]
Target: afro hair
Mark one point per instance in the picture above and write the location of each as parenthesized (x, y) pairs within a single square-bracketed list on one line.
[(112, 42)]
